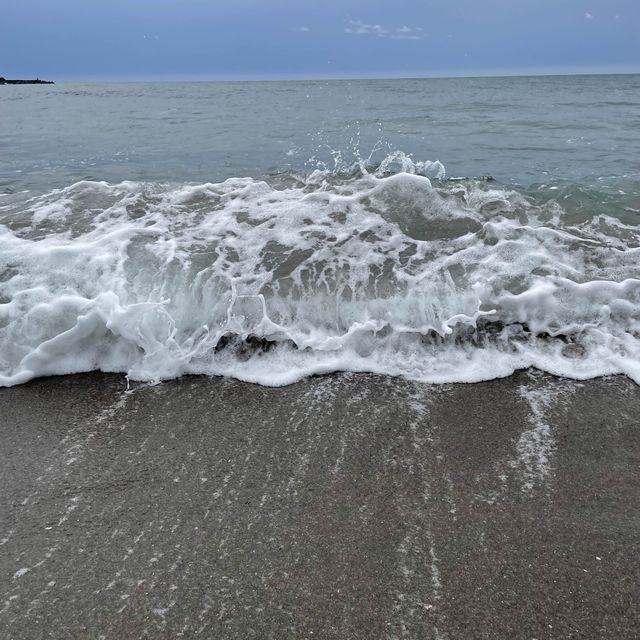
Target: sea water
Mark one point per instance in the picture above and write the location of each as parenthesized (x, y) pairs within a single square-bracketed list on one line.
[(438, 229)]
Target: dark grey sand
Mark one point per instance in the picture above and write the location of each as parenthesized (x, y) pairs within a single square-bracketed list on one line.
[(349, 506)]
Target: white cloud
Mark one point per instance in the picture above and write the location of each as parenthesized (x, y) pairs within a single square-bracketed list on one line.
[(304, 29), (406, 33), (588, 16), (358, 28)]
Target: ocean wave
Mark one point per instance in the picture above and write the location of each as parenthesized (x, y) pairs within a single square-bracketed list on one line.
[(390, 269)]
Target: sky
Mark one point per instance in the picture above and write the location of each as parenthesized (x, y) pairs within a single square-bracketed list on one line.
[(217, 39)]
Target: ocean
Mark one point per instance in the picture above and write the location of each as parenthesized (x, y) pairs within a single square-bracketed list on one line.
[(441, 230)]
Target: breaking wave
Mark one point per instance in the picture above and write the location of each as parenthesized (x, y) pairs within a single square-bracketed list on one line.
[(393, 269)]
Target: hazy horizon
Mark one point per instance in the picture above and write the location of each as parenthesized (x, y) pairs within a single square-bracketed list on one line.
[(516, 73)]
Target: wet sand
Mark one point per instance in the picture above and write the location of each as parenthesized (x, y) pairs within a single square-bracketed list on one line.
[(347, 506)]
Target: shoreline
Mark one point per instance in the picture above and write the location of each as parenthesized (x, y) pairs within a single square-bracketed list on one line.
[(341, 506)]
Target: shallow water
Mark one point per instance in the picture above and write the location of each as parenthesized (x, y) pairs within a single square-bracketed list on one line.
[(442, 230)]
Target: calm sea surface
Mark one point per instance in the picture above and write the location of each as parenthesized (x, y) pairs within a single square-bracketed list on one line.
[(522, 130)]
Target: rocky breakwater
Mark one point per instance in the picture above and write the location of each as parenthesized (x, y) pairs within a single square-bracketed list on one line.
[(36, 81)]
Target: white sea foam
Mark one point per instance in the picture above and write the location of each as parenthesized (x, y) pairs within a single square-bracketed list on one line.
[(396, 271)]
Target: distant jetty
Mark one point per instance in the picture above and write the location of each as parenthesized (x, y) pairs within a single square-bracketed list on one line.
[(36, 81)]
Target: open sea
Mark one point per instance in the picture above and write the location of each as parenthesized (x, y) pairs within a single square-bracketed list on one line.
[(443, 230)]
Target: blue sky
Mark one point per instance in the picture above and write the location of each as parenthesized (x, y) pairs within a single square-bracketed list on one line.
[(139, 39)]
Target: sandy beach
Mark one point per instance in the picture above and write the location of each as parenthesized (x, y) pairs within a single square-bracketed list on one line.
[(346, 506)]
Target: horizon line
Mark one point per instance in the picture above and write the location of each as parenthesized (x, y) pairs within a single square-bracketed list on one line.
[(445, 75)]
